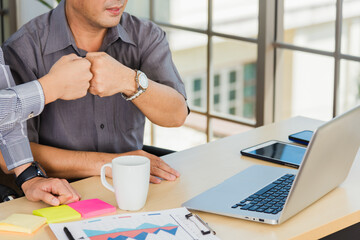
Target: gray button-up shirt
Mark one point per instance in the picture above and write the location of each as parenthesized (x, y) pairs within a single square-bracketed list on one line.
[(108, 124), (17, 104)]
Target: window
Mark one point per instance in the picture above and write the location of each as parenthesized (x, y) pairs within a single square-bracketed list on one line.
[(261, 61), (216, 99), (250, 72), (216, 80), (249, 90), (232, 111), (232, 77), (232, 95), (7, 19), (210, 58), (317, 58), (197, 94), (216, 92), (197, 102), (197, 85)]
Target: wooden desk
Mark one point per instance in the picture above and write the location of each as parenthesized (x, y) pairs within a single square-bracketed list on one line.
[(207, 165)]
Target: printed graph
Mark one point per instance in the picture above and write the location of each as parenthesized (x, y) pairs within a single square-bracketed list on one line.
[(139, 233), (162, 225)]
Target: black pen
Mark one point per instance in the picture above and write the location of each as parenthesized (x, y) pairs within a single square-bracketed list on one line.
[(68, 234)]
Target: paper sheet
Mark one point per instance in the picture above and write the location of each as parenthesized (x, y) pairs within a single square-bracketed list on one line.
[(58, 214), (92, 207), (161, 225), (24, 223)]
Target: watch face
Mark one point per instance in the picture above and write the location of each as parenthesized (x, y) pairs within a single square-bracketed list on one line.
[(143, 81)]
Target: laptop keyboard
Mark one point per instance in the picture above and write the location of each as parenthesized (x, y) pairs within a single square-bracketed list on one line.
[(271, 198)]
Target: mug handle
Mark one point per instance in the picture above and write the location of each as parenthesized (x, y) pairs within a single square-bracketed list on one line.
[(103, 177)]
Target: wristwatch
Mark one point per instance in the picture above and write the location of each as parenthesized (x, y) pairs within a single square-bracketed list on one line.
[(142, 83), (34, 170)]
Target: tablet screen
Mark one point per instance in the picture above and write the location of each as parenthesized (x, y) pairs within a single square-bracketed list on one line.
[(280, 152)]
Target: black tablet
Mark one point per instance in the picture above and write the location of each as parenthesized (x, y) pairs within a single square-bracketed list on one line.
[(277, 152)]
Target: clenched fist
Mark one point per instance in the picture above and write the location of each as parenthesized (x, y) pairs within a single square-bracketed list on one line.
[(110, 76), (68, 79)]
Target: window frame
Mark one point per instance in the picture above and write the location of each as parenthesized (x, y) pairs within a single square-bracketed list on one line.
[(270, 33), (10, 12), (264, 70), (337, 55)]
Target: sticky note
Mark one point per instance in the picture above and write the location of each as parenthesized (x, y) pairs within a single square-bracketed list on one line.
[(24, 223), (92, 207), (58, 213)]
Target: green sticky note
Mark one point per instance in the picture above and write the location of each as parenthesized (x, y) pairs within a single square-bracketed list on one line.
[(23, 223), (58, 214)]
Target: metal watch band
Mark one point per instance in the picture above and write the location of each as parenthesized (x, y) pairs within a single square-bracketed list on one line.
[(139, 91)]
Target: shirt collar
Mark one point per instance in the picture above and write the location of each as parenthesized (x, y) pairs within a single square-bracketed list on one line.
[(60, 35), (113, 34)]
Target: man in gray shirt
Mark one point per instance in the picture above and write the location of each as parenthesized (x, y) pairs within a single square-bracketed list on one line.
[(68, 79), (74, 139)]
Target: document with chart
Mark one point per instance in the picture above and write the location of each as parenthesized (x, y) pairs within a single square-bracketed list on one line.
[(176, 223)]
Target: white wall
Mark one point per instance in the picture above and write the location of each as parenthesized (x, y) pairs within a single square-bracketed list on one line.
[(28, 9)]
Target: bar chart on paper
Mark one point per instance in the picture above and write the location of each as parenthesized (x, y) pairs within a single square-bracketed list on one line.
[(143, 232), (162, 225)]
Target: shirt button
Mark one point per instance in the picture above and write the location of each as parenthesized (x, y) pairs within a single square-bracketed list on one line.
[(102, 126), (31, 115)]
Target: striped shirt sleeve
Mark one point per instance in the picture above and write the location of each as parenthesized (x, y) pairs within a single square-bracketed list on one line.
[(17, 104)]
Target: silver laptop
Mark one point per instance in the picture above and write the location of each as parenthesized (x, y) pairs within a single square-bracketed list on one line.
[(274, 194)]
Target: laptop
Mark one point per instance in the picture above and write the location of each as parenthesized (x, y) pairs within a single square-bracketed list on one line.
[(274, 194)]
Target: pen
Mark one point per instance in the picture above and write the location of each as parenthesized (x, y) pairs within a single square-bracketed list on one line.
[(68, 234)]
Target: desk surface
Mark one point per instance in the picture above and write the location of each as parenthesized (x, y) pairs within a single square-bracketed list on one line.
[(207, 165)]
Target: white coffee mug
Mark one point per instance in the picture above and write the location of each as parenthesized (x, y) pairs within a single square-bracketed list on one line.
[(131, 176)]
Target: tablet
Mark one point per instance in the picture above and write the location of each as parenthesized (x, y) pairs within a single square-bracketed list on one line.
[(277, 152)]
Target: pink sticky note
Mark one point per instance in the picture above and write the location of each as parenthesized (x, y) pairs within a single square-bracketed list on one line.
[(92, 207)]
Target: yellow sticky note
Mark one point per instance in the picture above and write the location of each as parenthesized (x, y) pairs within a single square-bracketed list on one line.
[(58, 214), (24, 223)]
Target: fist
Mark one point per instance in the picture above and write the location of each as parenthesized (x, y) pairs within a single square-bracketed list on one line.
[(72, 76), (110, 76)]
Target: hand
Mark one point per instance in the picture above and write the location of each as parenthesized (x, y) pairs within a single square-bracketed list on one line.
[(52, 191), (158, 168), (110, 76), (68, 79)]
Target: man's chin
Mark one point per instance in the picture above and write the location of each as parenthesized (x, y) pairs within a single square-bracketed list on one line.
[(110, 24), (110, 21)]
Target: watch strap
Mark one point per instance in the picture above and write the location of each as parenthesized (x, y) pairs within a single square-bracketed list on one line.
[(29, 173), (139, 91)]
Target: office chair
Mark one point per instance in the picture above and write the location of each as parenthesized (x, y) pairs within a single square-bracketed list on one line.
[(8, 188), (7, 193), (157, 151)]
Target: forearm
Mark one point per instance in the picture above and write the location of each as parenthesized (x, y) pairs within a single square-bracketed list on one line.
[(162, 105), (69, 164)]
